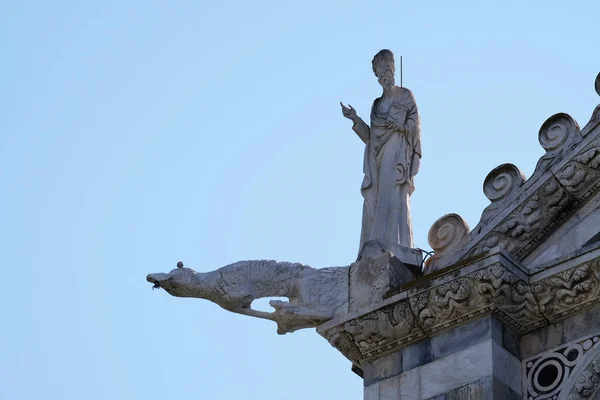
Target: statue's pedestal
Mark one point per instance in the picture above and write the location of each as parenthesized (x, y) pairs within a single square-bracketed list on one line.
[(408, 256), (372, 280)]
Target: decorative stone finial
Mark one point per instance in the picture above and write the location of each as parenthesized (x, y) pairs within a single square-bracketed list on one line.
[(502, 181), (448, 233), (556, 130), (557, 134)]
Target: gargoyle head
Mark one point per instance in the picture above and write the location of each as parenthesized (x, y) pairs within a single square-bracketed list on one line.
[(180, 282)]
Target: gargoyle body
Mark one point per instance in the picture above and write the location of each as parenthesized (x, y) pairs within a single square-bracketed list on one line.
[(314, 294)]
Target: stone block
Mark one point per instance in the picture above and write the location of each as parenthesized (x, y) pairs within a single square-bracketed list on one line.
[(446, 343), (382, 368), (456, 370), (408, 256), (371, 392), (506, 337), (506, 368), (461, 337), (504, 392), (389, 389), (409, 385), (374, 279), (417, 354), (481, 389), (578, 325)]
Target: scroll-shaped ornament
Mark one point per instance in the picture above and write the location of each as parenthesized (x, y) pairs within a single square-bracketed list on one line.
[(502, 181), (595, 120), (557, 134), (500, 184), (447, 234)]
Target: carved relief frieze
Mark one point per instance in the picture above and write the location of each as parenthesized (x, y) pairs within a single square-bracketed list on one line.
[(493, 289), (568, 292), (376, 333), (581, 176), (442, 302), (587, 383), (531, 222)]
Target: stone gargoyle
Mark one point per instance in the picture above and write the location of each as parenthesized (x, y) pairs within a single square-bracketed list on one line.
[(314, 294)]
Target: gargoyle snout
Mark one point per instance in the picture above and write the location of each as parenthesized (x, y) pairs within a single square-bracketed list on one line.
[(150, 278), (156, 278)]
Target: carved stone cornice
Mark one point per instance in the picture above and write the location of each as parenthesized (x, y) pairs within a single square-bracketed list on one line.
[(492, 284), (530, 222)]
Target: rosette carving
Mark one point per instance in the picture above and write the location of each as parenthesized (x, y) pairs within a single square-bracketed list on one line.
[(503, 181), (448, 233)]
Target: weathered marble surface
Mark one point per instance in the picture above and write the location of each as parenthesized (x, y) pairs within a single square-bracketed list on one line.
[(392, 158), (570, 371), (493, 284), (484, 370), (314, 294)]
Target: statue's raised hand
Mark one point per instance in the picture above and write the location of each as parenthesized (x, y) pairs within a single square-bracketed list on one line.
[(349, 112)]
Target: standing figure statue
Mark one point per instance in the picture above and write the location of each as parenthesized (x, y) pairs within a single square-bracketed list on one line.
[(392, 158)]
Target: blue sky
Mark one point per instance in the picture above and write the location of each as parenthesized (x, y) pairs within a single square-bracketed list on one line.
[(134, 134)]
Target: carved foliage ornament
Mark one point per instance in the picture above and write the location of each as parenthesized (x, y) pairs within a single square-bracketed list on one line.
[(493, 289), (376, 333), (581, 176), (568, 292), (529, 223), (588, 382)]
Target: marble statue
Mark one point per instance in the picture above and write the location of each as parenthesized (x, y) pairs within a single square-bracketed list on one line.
[(314, 294), (392, 158)]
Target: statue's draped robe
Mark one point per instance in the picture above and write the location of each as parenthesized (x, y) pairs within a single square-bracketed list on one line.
[(391, 161)]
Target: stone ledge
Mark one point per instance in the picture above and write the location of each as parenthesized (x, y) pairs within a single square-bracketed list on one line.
[(490, 285)]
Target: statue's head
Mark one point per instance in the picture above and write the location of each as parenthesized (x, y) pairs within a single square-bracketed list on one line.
[(384, 68)]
